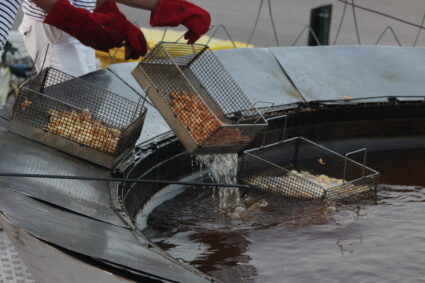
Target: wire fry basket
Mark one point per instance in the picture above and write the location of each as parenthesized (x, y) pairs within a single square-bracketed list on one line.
[(77, 117), (198, 98), (299, 168)]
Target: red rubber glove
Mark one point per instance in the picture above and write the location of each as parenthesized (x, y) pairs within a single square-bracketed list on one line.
[(135, 45), (175, 12), (84, 26)]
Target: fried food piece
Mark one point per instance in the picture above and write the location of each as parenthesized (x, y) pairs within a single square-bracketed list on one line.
[(201, 123), (83, 129), (116, 133), (321, 180), (85, 115), (74, 116), (26, 103), (194, 114)]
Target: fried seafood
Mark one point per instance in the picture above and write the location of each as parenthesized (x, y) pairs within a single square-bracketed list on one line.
[(83, 129)]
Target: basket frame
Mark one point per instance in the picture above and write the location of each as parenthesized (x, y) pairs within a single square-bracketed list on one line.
[(208, 145), (335, 192), (19, 123)]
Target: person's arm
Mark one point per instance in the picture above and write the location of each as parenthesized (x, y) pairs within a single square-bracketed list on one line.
[(104, 28), (89, 28), (172, 13), (8, 11), (46, 5), (142, 4), (164, 13)]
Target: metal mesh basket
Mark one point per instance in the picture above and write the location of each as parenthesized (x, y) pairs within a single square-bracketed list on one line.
[(198, 98), (77, 117), (300, 168)]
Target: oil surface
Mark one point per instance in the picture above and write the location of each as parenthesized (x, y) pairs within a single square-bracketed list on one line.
[(273, 240)]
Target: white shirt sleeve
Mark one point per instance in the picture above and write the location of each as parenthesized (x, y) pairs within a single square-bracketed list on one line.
[(8, 10)]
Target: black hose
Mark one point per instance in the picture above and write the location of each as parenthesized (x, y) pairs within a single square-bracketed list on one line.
[(146, 181)]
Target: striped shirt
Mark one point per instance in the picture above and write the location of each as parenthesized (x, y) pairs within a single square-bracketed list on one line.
[(8, 9), (31, 9)]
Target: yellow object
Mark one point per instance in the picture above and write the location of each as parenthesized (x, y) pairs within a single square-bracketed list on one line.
[(153, 36)]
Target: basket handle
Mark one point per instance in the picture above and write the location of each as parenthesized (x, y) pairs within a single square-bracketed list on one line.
[(37, 55), (254, 108), (225, 30), (133, 89), (364, 150), (178, 39), (265, 111), (138, 103), (285, 122)]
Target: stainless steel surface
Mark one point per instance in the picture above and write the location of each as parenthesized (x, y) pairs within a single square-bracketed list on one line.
[(91, 199), (18, 154), (107, 79), (52, 265), (93, 238), (12, 268), (259, 75), (335, 72), (300, 168), (198, 98), (79, 118), (312, 69)]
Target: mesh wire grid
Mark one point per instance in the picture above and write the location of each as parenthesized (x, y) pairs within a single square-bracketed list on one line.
[(300, 168), (77, 117), (198, 98)]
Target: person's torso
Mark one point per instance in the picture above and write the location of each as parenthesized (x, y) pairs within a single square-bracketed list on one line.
[(8, 9), (31, 9)]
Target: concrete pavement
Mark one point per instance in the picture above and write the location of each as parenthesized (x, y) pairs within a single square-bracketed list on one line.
[(291, 16)]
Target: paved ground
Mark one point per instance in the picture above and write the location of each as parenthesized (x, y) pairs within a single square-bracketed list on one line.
[(291, 16)]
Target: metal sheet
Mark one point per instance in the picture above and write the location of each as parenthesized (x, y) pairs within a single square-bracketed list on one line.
[(154, 125), (46, 263), (108, 81), (332, 72), (5, 112), (20, 155), (12, 268), (123, 71), (92, 238), (259, 75)]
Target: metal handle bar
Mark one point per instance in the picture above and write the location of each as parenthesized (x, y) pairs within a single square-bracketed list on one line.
[(284, 127), (351, 153), (145, 181)]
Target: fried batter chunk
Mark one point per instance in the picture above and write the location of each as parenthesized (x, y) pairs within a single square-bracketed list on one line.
[(83, 129), (194, 115)]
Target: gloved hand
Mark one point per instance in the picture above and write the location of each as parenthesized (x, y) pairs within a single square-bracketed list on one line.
[(175, 12), (135, 45), (85, 26)]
